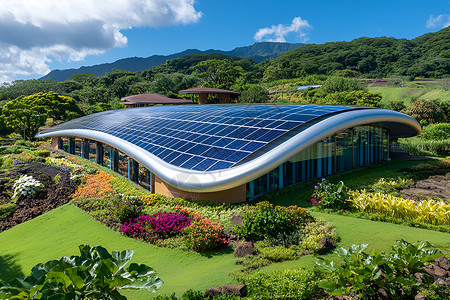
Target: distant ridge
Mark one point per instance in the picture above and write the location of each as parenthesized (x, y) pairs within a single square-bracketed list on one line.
[(258, 52)]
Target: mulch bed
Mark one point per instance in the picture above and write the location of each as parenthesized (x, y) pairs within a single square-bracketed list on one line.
[(47, 198), (437, 186)]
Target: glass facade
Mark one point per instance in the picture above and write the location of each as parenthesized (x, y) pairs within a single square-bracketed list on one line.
[(354, 147)]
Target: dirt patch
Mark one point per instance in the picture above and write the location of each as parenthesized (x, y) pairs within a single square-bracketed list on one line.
[(54, 193), (437, 186)]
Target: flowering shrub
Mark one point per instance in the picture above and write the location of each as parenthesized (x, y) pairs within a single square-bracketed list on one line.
[(161, 224), (204, 235), (97, 185), (139, 228), (25, 185), (169, 224), (328, 195)]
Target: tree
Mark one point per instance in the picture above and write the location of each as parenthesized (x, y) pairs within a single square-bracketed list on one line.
[(221, 74), (425, 111), (255, 94), (58, 107), (363, 98), (24, 116)]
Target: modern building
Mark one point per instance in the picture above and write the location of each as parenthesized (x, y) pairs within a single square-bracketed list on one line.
[(142, 100), (231, 153), (218, 95)]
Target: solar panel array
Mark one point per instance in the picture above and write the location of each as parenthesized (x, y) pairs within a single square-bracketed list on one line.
[(202, 137)]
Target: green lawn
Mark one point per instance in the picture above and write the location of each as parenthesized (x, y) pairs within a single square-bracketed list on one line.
[(59, 232), (406, 94)]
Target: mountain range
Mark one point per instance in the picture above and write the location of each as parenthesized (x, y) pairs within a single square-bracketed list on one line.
[(258, 52)]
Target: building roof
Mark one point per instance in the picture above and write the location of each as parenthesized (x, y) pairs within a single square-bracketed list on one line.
[(207, 91), (206, 148), (153, 99)]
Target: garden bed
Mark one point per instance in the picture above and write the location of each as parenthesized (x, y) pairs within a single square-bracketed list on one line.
[(56, 190)]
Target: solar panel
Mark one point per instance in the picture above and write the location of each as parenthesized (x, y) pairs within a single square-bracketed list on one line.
[(201, 137)]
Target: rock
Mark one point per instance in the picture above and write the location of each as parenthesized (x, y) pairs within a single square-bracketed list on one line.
[(213, 291), (443, 262), (244, 249), (236, 220), (233, 240), (382, 294), (420, 297), (327, 245), (235, 289)]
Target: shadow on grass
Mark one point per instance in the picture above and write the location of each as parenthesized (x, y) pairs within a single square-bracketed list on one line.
[(9, 267), (221, 251)]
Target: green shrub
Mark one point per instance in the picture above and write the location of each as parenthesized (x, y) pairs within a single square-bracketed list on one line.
[(419, 146), (439, 131), (42, 153), (278, 253), (361, 274), (264, 221), (95, 274), (312, 234), (57, 179), (297, 283), (329, 195), (126, 211), (6, 210), (390, 185)]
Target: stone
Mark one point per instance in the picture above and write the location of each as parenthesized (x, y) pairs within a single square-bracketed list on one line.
[(420, 297), (213, 291), (382, 294), (236, 289), (236, 220), (443, 262), (244, 249), (327, 245)]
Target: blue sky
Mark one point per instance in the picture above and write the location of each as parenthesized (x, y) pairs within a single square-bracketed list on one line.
[(39, 36)]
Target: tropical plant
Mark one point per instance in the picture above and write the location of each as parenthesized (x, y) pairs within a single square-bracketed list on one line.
[(329, 195), (95, 274), (264, 221), (203, 235), (362, 274), (435, 212)]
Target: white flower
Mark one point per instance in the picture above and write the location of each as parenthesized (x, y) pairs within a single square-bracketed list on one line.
[(25, 185)]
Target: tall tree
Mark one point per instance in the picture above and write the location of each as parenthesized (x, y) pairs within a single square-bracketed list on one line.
[(24, 116), (221, 74)]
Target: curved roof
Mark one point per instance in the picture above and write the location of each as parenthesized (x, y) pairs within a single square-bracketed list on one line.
[(206, 90), (154, 99), (204, 148)]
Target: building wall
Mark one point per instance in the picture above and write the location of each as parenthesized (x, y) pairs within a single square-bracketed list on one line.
[(234, 195), (354, 147)]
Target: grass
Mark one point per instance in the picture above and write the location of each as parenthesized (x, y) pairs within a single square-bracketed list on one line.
[(59, 233), (377, 235), (408, 94)]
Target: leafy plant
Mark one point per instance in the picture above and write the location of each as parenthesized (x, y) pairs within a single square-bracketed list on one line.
[(277, 253), (264, 221), (6, 210), (363, 274), (95, 274), (429, 211), (298, 283), (127, 211), (390, 186), (333, 196)]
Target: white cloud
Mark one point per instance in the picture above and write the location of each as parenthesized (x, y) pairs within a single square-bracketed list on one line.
[(278, 33), (34, 32), (440, 21)]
